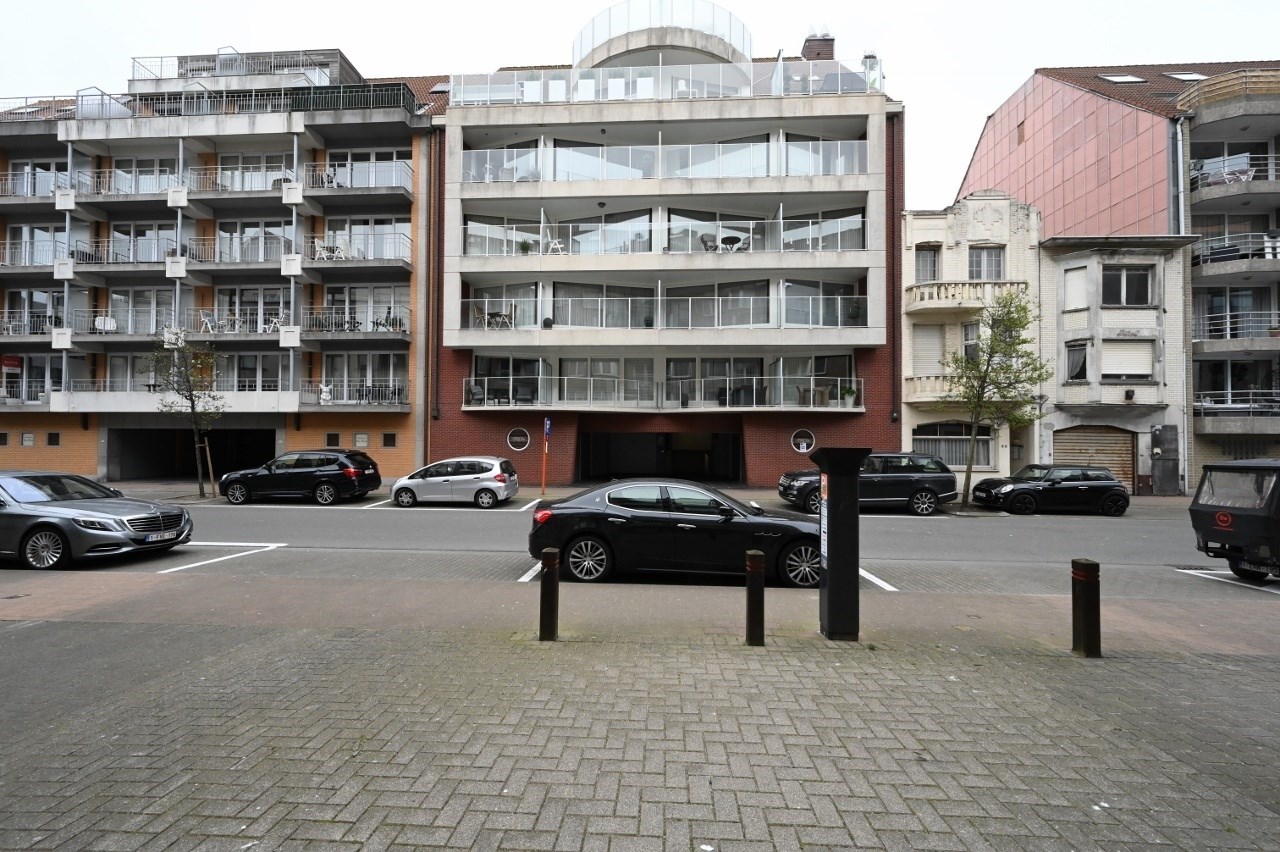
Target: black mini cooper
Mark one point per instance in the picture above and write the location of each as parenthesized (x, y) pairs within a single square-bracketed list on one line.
[(1042, 487)]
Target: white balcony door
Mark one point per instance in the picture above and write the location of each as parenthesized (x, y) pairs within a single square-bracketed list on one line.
[(37, 177), (134, 175)]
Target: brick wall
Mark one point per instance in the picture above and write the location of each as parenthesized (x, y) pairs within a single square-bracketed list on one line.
[(78, 452), (393, 462)]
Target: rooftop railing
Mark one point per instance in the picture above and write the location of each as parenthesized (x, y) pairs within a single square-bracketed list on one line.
[(633, 15), (1235, 84), (101, 105), (230, 64), (660, 82)]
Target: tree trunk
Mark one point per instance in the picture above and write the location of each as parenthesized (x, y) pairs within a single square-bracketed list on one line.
[(195, 433), (968, 467)]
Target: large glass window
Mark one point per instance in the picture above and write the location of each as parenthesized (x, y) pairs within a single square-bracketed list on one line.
[(370, 167), (1077, 362), (825, 303), (986, 263), (252, 371), (382, 237), (949, 441), (242, 172), (926, 264)]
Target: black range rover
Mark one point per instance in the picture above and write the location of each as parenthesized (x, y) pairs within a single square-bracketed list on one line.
[(919, 483)]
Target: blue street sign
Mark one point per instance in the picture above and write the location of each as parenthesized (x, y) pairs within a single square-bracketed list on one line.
[(546, 427)]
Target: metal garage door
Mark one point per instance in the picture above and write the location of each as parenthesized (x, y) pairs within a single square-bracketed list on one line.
[(1098, 445)]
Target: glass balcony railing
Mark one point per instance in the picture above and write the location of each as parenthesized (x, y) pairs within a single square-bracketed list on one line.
[(798, 235), (1237, 403), (664, 82), (340, 175), (635, 15), (684, 312), (373, 391), (772, 392)]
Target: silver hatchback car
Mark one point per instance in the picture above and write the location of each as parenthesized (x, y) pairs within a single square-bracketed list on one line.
[(483, 480), (49, 520)]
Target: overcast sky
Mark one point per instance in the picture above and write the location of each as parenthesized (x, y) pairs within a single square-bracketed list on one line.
[(950, 63)]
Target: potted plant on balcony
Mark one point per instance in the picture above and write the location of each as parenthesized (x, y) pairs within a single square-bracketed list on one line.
[(848, 396), (525, 246), (1274, 331)]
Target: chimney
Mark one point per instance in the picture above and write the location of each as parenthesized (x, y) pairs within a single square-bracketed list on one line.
[(819, 47)]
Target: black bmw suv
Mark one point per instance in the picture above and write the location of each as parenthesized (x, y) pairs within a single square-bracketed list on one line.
[(918, 482), (322, 475)]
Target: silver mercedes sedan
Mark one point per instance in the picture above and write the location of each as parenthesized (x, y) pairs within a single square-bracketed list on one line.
[(49, 520)]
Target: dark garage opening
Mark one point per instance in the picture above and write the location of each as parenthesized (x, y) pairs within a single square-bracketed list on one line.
[(703, 456), (170, 453)]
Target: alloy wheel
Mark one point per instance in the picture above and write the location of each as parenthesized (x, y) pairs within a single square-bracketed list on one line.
[(588, 559), (325, 494), (44, 549), (924, 503), (802, 565), (237, 493)]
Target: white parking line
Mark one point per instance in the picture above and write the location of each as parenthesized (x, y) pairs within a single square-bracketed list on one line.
[(533, 572), (873, 578), (1225, 577), (260, 548), (527, 506), (379, 503)]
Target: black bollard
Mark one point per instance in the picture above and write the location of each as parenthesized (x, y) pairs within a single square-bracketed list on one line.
[(549, 601), (755, 598), (1086, 604)]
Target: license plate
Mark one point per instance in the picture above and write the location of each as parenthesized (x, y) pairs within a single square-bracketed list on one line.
[(978, 492), (164, 536)]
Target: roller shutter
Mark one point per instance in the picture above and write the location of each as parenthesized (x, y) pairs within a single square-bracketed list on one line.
[(926, 350), (1097, 445)]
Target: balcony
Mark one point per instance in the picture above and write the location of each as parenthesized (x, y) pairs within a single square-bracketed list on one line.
[(358, 250), (123, 182), (393, 174), (358, 319), (1228, 259), (1237, 331), (384, 394), (244, 179), (949, 296), (19, 254), (743, 237), (28, 323), (124, 251), (31, 395), (1250, 412), (232, 64), (1223, 183), (662, 83), (771, 393), (925, 389), (135, 395), (144, 323), (247, 250), (29, 184)]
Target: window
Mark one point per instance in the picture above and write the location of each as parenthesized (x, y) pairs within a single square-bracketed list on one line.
[(4, 439), (949, 441), (361, 440), (926, 264), (1077, 362), (969, 335), (388, 440), (1126, 360), (688, 501), (986, 263), (1121, 78), (1076, 284), (926, 350), (55, 439), (646, 498), (28, 439), (1126, 285), (333, 439), (1186, 76)]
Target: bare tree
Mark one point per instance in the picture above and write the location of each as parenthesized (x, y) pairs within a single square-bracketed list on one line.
[(184, 376), (995, 379)]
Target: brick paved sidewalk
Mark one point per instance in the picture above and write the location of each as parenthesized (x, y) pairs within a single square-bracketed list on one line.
[(195, 725)]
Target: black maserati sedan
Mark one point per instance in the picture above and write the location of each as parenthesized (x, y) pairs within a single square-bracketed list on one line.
[(636, 525)]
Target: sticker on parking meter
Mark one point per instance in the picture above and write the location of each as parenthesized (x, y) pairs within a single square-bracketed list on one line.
[(822, 520)]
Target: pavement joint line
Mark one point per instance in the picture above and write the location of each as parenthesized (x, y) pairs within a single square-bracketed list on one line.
[(222, 558), (533, 572)]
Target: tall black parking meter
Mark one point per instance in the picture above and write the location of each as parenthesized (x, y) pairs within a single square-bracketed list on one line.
[(838, 585)]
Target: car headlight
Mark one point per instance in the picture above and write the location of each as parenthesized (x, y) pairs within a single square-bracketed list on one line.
[(96, 524), (1004, 489)]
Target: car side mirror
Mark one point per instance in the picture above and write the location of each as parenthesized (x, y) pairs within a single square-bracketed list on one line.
[(727, 513), (116, 491), (1055, 481)]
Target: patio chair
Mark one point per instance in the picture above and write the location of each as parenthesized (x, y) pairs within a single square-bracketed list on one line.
[(479, 319), (708, 242)]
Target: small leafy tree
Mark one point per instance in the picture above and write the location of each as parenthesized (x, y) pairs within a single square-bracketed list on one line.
[(184, 376), (995, 381)]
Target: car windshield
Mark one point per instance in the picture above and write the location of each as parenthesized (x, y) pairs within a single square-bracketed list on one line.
[(1236, 489), (1032, 472), (52, 487)]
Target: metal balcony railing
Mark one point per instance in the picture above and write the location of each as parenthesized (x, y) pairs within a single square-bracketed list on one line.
[(1236, 324), (100, 105), (230, 63), (772, 392), (1237, 403), (29, 184), (151, 322), (31, 252), (224, 249), (337, 175), (118, 250), (359, 247), (1236, 247), (31, 392), (1240, 168), (372, 391), (259, 320), (123, 181), (243, 179), (28, 322), (388, 319)]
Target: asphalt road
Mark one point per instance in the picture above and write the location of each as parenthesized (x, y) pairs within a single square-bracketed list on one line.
[(1148, 553)]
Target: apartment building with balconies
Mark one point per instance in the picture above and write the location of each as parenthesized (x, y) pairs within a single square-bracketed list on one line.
[(1134, 160), (674, 255), (262, 205)]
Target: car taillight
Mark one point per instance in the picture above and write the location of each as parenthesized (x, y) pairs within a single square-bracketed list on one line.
[(542, 516), (499, 477), (351, 472)]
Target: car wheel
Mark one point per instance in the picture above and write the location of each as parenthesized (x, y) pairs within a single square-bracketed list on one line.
[(1240, 569), (406, 498), (486, 499), (588, 560), (923, 502), (237, 493), (1022, 504), (45, 548), (325, 494), (800, 564), (813, 502), (1114, 505)]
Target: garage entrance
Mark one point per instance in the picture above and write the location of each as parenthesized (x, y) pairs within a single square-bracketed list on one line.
[(170, 454), (1107, 446), (704, 456)]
